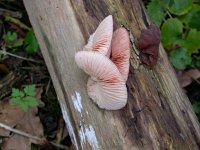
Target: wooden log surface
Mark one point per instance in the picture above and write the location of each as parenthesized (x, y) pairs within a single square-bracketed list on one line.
[(158, 114)]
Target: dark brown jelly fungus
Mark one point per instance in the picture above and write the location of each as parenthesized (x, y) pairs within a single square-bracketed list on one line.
[(149, 45)]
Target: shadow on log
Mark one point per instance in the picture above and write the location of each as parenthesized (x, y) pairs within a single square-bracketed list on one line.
[(158, 114)]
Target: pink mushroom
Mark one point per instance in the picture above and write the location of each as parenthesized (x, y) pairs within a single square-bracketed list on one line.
[(100, 40), (121, 51), (106, 86)]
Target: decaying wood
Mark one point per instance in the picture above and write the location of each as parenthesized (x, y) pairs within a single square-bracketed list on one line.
[(158, 114)]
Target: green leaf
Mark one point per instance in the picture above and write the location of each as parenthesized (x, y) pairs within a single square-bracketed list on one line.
[(192, 19), (11, 40), (180, 7), (196, 107), (17, 93), (30, 43), (171, 31), (156, 11), (24, 101), (191, 42), (180, 58), (30, 90), (10, 37), (31, 101), (18, 44), (16, 100), (24, 106)]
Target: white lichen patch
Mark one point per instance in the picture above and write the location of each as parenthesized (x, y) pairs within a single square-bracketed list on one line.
[(87, 134), (69, 126), (77, 102), (91, 137), (82, 135)]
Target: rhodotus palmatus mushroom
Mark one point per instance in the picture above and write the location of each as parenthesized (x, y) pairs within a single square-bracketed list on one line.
[(100, 40), (107, 84), (121, 51)]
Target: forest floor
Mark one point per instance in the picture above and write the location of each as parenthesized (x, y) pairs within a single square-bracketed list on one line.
[(24, 84)]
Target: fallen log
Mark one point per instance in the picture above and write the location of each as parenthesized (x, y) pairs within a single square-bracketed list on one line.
[(158, 114)]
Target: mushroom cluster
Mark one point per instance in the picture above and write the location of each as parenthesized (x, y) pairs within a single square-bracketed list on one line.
[(106, 59)]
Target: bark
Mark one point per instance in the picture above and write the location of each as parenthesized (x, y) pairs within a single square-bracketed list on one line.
[(158, 114)]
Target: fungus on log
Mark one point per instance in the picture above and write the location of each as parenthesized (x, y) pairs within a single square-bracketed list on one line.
[(158, 114), (107, 84)]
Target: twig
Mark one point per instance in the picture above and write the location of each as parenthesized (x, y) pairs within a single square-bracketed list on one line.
[(17, 22), (198, 82), (168, 13), (15, 14), (48, 86), (31, 136), (7, 5), (20, 132), (61, 126), (20, 57)]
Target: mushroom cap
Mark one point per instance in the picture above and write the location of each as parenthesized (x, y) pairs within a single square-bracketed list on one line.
[(121, 51), (106, 87), (100, 40)]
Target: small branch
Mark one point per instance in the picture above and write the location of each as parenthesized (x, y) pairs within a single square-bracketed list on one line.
[(15, 14), (48, 86), (17, 22), (198, 82), (20, 132), (31, 136), (20, 57), (7, 5), (168, 13)]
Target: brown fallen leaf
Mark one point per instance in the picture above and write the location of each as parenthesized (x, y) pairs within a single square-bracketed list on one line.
[(31, 124), (17, 29), (25, 121), (186, 78), (3, 69), (9, 115)]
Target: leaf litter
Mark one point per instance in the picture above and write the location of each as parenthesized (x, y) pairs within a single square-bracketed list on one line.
[(186, 77), (28, 122), (21, 65)]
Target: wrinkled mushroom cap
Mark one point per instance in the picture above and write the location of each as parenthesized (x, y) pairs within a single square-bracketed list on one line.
[(121, 51), (100, 40), (106, 87)]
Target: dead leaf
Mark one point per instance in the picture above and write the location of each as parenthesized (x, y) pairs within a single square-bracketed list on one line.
[(9, 115), (17, 29), (31, 124), (27, 122), (187, 77), (3, 69)]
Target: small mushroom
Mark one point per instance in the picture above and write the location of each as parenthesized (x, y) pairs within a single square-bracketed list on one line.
[(100, 40), (106, 86), (121, 51)]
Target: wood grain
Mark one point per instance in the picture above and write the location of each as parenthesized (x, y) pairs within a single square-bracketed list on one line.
[(158, 114)]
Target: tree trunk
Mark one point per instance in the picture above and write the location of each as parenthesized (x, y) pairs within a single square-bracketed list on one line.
[(158, 114)]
